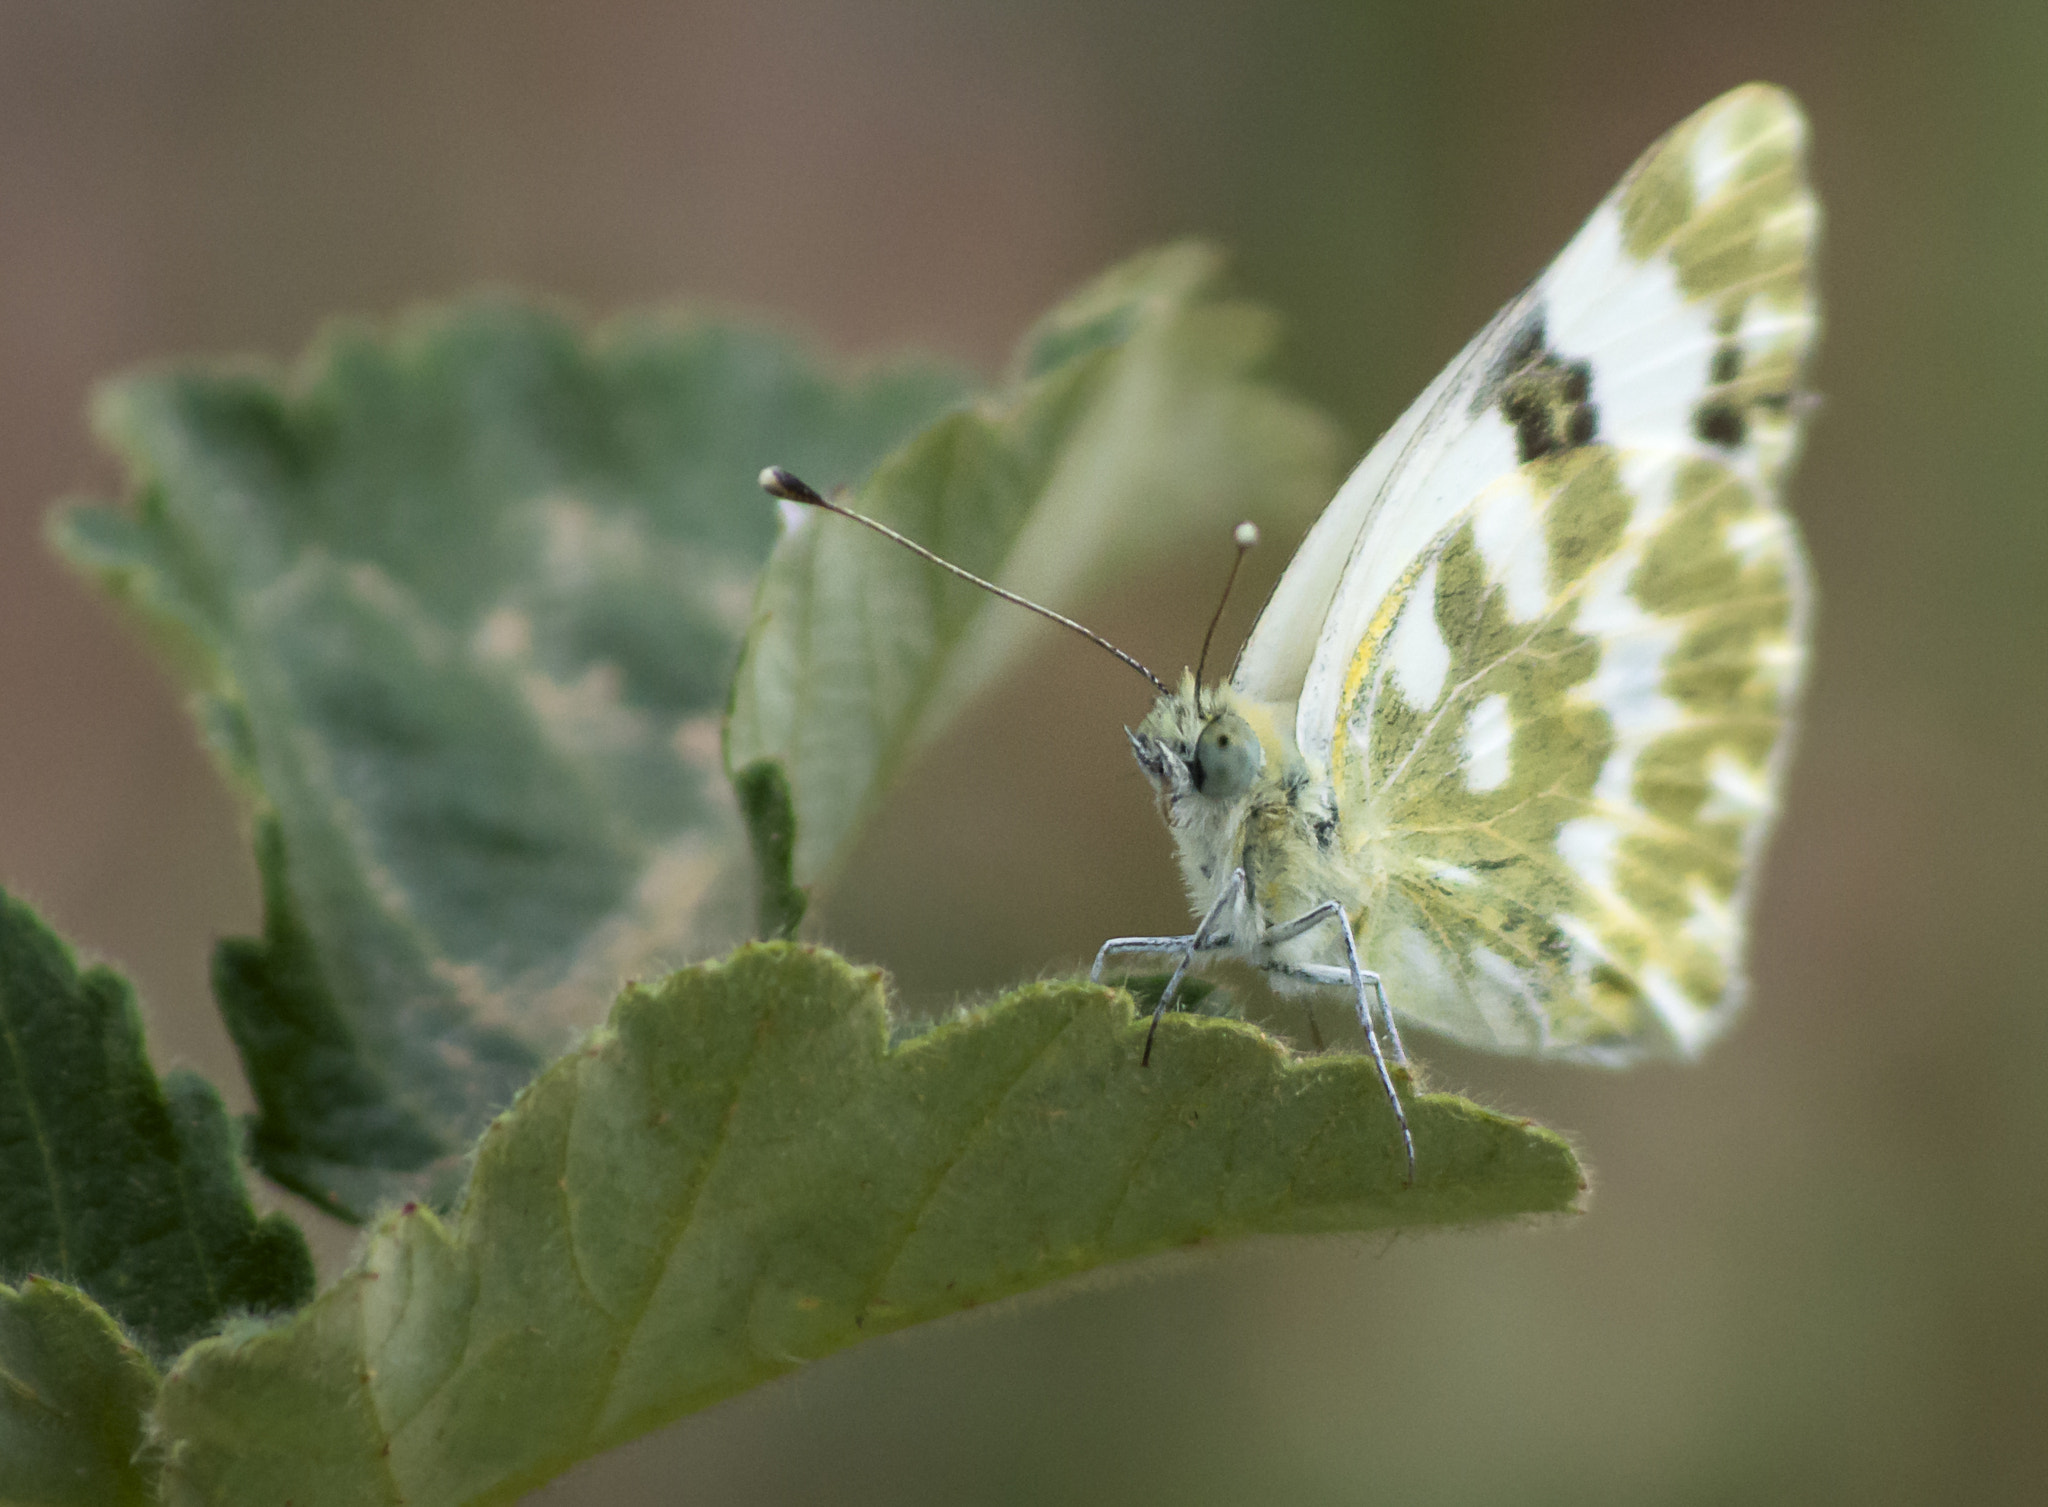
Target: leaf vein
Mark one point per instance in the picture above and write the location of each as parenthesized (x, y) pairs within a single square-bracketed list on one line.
[(940, 1174)]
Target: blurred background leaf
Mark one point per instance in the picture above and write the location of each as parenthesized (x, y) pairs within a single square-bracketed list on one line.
[(1133, 421), (1812, 1270), (122, 1187), (458, 606)]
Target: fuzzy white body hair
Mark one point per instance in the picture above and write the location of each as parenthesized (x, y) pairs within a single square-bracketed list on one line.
[(1280, 830)]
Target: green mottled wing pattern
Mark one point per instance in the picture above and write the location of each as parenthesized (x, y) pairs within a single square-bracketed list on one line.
[(1555, 682)]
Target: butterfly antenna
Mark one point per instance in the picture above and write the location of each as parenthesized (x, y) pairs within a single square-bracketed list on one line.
[(1246, 536), (777, 482)]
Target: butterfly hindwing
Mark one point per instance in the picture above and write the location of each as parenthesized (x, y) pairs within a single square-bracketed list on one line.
[(1558, 761), (1554, 676)]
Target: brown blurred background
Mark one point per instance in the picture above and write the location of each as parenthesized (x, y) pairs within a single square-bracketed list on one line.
[(1816, 1267)]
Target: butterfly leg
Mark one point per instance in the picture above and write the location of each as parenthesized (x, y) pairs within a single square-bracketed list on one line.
[(1355, 977), (1187, 946), (1321, 973), (1157, 946), (1340, 978), (1205, 938)]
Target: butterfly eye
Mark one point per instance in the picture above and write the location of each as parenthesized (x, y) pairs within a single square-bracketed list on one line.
[(1227, 759)]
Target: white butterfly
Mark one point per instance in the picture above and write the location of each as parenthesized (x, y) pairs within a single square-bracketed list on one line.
[(1502, 750)]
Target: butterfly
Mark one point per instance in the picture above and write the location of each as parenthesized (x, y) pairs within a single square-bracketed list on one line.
[(1502, 750)]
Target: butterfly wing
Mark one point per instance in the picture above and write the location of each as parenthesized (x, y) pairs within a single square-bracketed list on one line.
[(1554, 666)]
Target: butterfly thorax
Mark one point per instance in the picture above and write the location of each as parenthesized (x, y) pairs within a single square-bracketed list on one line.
[(1235, 791)]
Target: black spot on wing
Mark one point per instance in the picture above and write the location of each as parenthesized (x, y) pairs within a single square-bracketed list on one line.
[(1550, 405), (1546, 399), (1719, 422), (1722, 417), (1718, 417)]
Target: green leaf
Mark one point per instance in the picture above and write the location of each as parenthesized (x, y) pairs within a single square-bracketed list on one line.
[(1197, 996), (458, 605), (73, 1400), (770, 815), (125, 1189), (326, 1123), (739, 1174), (1135, 424)]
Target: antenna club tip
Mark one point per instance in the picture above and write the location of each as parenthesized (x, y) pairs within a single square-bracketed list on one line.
[(1246, 534), (777, 482)]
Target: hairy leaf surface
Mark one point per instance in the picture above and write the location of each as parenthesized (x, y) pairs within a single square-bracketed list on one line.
[(73, 1401), (739, 1174)]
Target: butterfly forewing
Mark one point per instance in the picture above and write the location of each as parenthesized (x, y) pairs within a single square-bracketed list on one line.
[(1554, 676)]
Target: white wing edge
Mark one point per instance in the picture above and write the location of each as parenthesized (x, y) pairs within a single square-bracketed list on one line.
[(1274, 663)]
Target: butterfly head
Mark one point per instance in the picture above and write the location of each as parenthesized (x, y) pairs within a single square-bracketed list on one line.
[(1200, 746)]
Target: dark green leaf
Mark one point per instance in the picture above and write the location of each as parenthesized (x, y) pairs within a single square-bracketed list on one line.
[(126, 1189), (1197, 996), (770, 815)]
